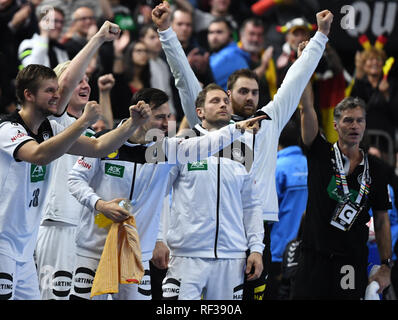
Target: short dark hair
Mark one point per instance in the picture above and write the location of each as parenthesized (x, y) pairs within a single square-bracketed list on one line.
[(152, 96), (257, 22), (225, 21), (241, 73), (201, 98), (290, 135), (348, 103), (30, 78)]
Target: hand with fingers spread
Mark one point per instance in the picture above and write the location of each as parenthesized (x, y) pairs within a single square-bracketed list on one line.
[(140, 113), (161, 15), (112, 210), (251, 124), (324, 20)]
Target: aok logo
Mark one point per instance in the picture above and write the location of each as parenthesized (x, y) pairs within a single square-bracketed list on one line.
[(114, 170), (197, 165), (37, 173)]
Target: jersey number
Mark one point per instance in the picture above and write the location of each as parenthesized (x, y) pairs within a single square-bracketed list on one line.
[(35, 200)]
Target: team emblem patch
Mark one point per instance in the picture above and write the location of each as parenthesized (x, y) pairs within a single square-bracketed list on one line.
[(114, 170), (197, 165)]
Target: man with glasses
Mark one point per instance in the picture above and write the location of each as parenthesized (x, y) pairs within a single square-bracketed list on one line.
[(82, 28)]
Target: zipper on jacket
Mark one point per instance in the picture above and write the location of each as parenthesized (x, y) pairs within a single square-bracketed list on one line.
[(218, 205), (133, 182)]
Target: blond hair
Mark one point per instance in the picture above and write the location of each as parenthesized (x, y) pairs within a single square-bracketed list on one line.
[(60, 68)]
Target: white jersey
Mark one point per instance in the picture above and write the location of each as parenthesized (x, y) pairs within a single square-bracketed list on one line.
[(280, 109), (131, 173), (22, 187), (59, 204), (215, 210)]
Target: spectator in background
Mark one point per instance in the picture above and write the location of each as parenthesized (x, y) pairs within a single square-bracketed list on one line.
[(198, 57), (226, 57), (291, 185), (44, 48), (251, 35), (297, 30), (157, 66), (131, 71), (17, 22), (202, 19), (101, 9), (380, 95), (82, 29)]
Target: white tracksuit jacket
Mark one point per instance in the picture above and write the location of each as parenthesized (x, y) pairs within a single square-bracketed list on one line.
[(130, 173), (280, 109), (215, 210)]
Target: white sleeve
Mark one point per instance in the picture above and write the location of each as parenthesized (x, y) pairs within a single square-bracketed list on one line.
[(289, 94), (252, 215), (185, 80), (33, 51), (13, 136), (180, 150), (79, 181)]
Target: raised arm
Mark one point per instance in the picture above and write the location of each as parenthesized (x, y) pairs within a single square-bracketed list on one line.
[(288, 95), (309, 119), (112, 140), (105, 85), (58, 145), (185, 80), (77, 68)]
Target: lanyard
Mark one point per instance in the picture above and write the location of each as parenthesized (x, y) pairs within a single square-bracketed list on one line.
[(341, 177)]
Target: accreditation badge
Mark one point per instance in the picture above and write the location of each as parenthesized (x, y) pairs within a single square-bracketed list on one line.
[(345, 215)]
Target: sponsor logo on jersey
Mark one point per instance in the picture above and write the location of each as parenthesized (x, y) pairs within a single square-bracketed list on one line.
[(171, 289), (84, 164), (6, 287), (113, 155), (46, 135), (37, 173), (197, 165), (114, 170), (18, 136)]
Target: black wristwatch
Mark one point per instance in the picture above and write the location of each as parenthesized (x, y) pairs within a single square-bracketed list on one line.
[(388, 262)]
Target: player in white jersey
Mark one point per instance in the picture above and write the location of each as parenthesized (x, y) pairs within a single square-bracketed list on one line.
[(244, 95), (137, 171), (55, 249), (28, 143)]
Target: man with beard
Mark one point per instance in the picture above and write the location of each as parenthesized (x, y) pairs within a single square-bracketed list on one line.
[(243, 90), (225, 57)]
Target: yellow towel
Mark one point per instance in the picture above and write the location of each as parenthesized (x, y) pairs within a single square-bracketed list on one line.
[(121, 259)]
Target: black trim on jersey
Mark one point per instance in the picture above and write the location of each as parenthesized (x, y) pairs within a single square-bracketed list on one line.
[(133, 182), (218, 207), (45, 127), (135, 153)]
